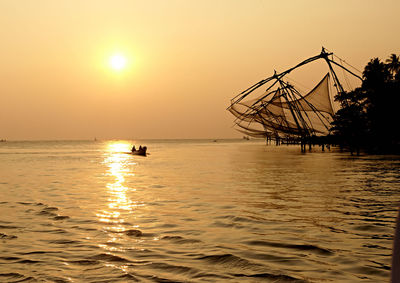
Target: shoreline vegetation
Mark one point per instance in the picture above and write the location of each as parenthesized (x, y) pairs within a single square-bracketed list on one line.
[(368, 120)]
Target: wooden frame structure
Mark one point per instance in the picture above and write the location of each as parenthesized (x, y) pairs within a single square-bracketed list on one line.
[(282, 113)]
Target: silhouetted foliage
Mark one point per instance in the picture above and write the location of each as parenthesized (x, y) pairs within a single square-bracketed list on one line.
[(393, 64), (369, 117)]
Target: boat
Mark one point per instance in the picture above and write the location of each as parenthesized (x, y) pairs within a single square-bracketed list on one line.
[(138, 152), (142, 151)]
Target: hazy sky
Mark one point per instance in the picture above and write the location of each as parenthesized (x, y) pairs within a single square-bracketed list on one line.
[(185, 60)]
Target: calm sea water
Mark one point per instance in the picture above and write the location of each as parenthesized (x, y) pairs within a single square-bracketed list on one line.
[(194, 211)]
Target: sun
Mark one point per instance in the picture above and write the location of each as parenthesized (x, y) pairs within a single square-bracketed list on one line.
[(117, 62)]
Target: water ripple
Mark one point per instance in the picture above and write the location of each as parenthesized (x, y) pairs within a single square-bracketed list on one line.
[(312, 248), (81, 212)]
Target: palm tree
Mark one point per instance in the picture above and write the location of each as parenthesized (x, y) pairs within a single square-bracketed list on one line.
[(393, 64), (375, 74)]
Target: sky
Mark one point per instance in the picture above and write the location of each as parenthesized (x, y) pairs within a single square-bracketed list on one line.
[(185, 60)]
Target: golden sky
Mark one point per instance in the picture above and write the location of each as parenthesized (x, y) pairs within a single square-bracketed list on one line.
[(185, 60)]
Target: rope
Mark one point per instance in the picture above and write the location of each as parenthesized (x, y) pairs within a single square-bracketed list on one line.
[(345, 77), (342, 60), (306, 88)]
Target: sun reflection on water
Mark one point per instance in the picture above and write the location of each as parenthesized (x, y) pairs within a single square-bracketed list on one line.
[(120, 205)]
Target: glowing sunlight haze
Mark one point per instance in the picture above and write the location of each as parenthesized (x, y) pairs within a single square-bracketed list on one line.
[(118, 62), (129, 69)]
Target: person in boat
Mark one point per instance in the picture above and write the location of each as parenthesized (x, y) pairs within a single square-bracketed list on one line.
[(133, 148), (144, 149)]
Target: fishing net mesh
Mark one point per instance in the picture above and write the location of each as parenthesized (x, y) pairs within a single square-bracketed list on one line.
[(284, 112)]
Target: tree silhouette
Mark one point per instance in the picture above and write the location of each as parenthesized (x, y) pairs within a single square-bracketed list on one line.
[(368, 118), (393, 64)]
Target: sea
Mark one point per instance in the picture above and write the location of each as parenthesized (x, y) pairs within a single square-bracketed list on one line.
[(194, 211)]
